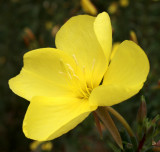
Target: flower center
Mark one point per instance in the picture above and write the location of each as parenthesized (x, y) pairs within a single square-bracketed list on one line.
[(85, 92), (81, 87)]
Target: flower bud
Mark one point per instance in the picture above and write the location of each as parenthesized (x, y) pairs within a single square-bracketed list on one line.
[(133, 37), (142, 111)]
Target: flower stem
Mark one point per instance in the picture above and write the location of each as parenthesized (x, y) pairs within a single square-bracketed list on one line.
[(122, 120), (105, 117)]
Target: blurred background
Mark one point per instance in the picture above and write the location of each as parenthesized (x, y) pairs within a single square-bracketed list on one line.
[(31, 24)]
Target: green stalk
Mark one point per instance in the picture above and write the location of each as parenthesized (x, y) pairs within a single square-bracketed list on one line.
[(105, 117), (122, 120)]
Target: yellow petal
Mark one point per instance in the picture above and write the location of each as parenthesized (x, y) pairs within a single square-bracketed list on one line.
[(49, 118), (78, 39), (88, 7), (45, 73), (108, 95), (125, 76), (129, 66), (103, 30), (114, 50)]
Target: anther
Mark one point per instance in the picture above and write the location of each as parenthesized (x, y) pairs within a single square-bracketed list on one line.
[(72, 71), (75, 59)]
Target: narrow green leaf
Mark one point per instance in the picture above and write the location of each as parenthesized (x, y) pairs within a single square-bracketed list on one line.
[(110, 125), (122, 120)]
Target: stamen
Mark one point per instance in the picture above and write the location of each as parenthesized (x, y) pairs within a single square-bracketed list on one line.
[(84, 94), (76, 76), (75, 59), (69, 67), (64, 69), (72, 71), (79, 86), (86, 87), (69, 75)]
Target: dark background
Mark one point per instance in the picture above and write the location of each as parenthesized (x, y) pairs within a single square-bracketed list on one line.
[(30, 24)]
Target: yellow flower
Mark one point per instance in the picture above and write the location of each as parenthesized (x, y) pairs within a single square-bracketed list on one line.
[(124, 3), (35, 144), (88, 7), (46, 146), (49, 25), (133, 36), (66, 84), (113, 7), (114, 49)]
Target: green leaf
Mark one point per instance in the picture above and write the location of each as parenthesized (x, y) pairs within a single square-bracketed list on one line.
[(110, 125)]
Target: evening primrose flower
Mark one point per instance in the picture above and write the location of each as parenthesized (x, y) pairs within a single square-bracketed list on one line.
[(46, 146), (113, 7), (88, 7), (66, 84), (133, 36), (124, 3)]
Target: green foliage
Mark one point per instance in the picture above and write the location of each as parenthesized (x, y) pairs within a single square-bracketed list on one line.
[(146, 130), (146, 133)]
